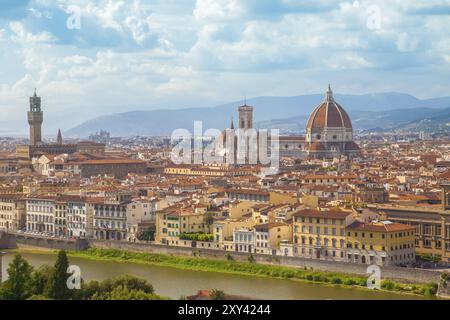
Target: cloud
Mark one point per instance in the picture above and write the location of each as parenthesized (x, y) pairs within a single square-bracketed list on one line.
[(184, 53)]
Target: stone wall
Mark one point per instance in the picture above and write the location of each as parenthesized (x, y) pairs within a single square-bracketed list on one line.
[(392, 273), (14, 241)]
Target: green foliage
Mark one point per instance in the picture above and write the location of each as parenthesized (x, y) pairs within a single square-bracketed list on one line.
[(197, 237), (248, 268), (57, 283), (388, 285), (123, 293), (46, 282), (431, 258), (147, 235), (18, 285), (251, 259), (217, 294), (40, 279), (336, 280)]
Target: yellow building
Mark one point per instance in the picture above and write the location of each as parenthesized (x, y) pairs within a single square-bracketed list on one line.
[(268, 237), (12, 212), (172, 222), (382, 243), (320, 234), (223, 231), (237, 209), (283, 198)]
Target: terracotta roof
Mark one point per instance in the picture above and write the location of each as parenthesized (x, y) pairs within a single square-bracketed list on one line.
[(380, 227), (321, 214), (317, 146), (329, 114), (351, 145)]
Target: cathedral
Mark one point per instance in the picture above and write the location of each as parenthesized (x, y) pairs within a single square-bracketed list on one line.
[(329, 132), (36, 147)]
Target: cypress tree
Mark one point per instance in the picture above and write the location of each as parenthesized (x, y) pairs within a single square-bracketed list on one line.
[(57, 284)]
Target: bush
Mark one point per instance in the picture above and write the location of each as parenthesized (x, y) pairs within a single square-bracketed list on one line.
[(336, 280), (388, 285), (349, 282)]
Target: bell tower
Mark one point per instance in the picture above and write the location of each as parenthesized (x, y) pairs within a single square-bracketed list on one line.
[(245, 117), (35, 120)]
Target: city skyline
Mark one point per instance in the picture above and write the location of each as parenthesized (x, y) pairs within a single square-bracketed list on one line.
[(158, 55)]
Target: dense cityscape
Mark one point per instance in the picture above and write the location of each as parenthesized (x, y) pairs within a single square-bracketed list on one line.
[(336, 196), (224, 158)]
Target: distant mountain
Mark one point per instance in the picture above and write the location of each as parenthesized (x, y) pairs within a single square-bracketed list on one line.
[(367, 120), (292, 112), (437, 122)]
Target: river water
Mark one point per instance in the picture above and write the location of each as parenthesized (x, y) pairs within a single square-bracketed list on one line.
[(175, 283)]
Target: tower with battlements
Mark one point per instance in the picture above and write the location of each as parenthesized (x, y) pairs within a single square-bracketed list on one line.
[(35, 120)]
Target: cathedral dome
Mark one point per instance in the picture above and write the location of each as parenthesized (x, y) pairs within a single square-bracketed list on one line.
[(329, 114)]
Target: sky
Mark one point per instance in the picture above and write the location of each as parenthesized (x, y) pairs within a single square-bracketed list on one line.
[(94, 57)]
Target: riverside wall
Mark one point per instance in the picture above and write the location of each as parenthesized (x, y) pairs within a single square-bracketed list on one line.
[(392, 273), (13, 241), (18, 240)]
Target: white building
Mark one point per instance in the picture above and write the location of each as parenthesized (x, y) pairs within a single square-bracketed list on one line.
[(41, 215)]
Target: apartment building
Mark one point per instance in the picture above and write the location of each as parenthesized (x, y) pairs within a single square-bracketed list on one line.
[(382, 243), (41, 215), (321, 234), (12, 212)]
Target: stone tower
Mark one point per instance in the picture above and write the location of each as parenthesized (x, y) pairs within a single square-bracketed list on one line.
[(35, 119), (446, 195), (245, 117)]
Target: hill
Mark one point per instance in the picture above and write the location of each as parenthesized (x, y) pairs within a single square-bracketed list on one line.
[(292, 112)]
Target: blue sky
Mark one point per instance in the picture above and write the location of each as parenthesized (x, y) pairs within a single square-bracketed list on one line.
[(153, 54)]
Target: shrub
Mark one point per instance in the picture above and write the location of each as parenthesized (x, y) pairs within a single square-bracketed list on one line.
[(388, 285), (336, 280)]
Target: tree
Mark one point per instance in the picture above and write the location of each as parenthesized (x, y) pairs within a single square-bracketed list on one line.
[(217, 294), (40, 279), (57, 284), (18, 285)]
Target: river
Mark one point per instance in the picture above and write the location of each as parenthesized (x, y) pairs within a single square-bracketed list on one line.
[(175, 283)]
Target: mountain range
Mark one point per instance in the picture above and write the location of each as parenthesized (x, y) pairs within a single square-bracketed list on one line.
[(377, 110)]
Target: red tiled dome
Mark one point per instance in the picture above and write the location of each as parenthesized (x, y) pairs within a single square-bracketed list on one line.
[(317, 146), (351, 146), (329, 114)]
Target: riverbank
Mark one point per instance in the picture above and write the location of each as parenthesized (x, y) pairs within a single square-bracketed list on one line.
[(248, 269)]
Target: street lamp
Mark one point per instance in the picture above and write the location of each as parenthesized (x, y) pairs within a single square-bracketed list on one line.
[(1, 260)]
